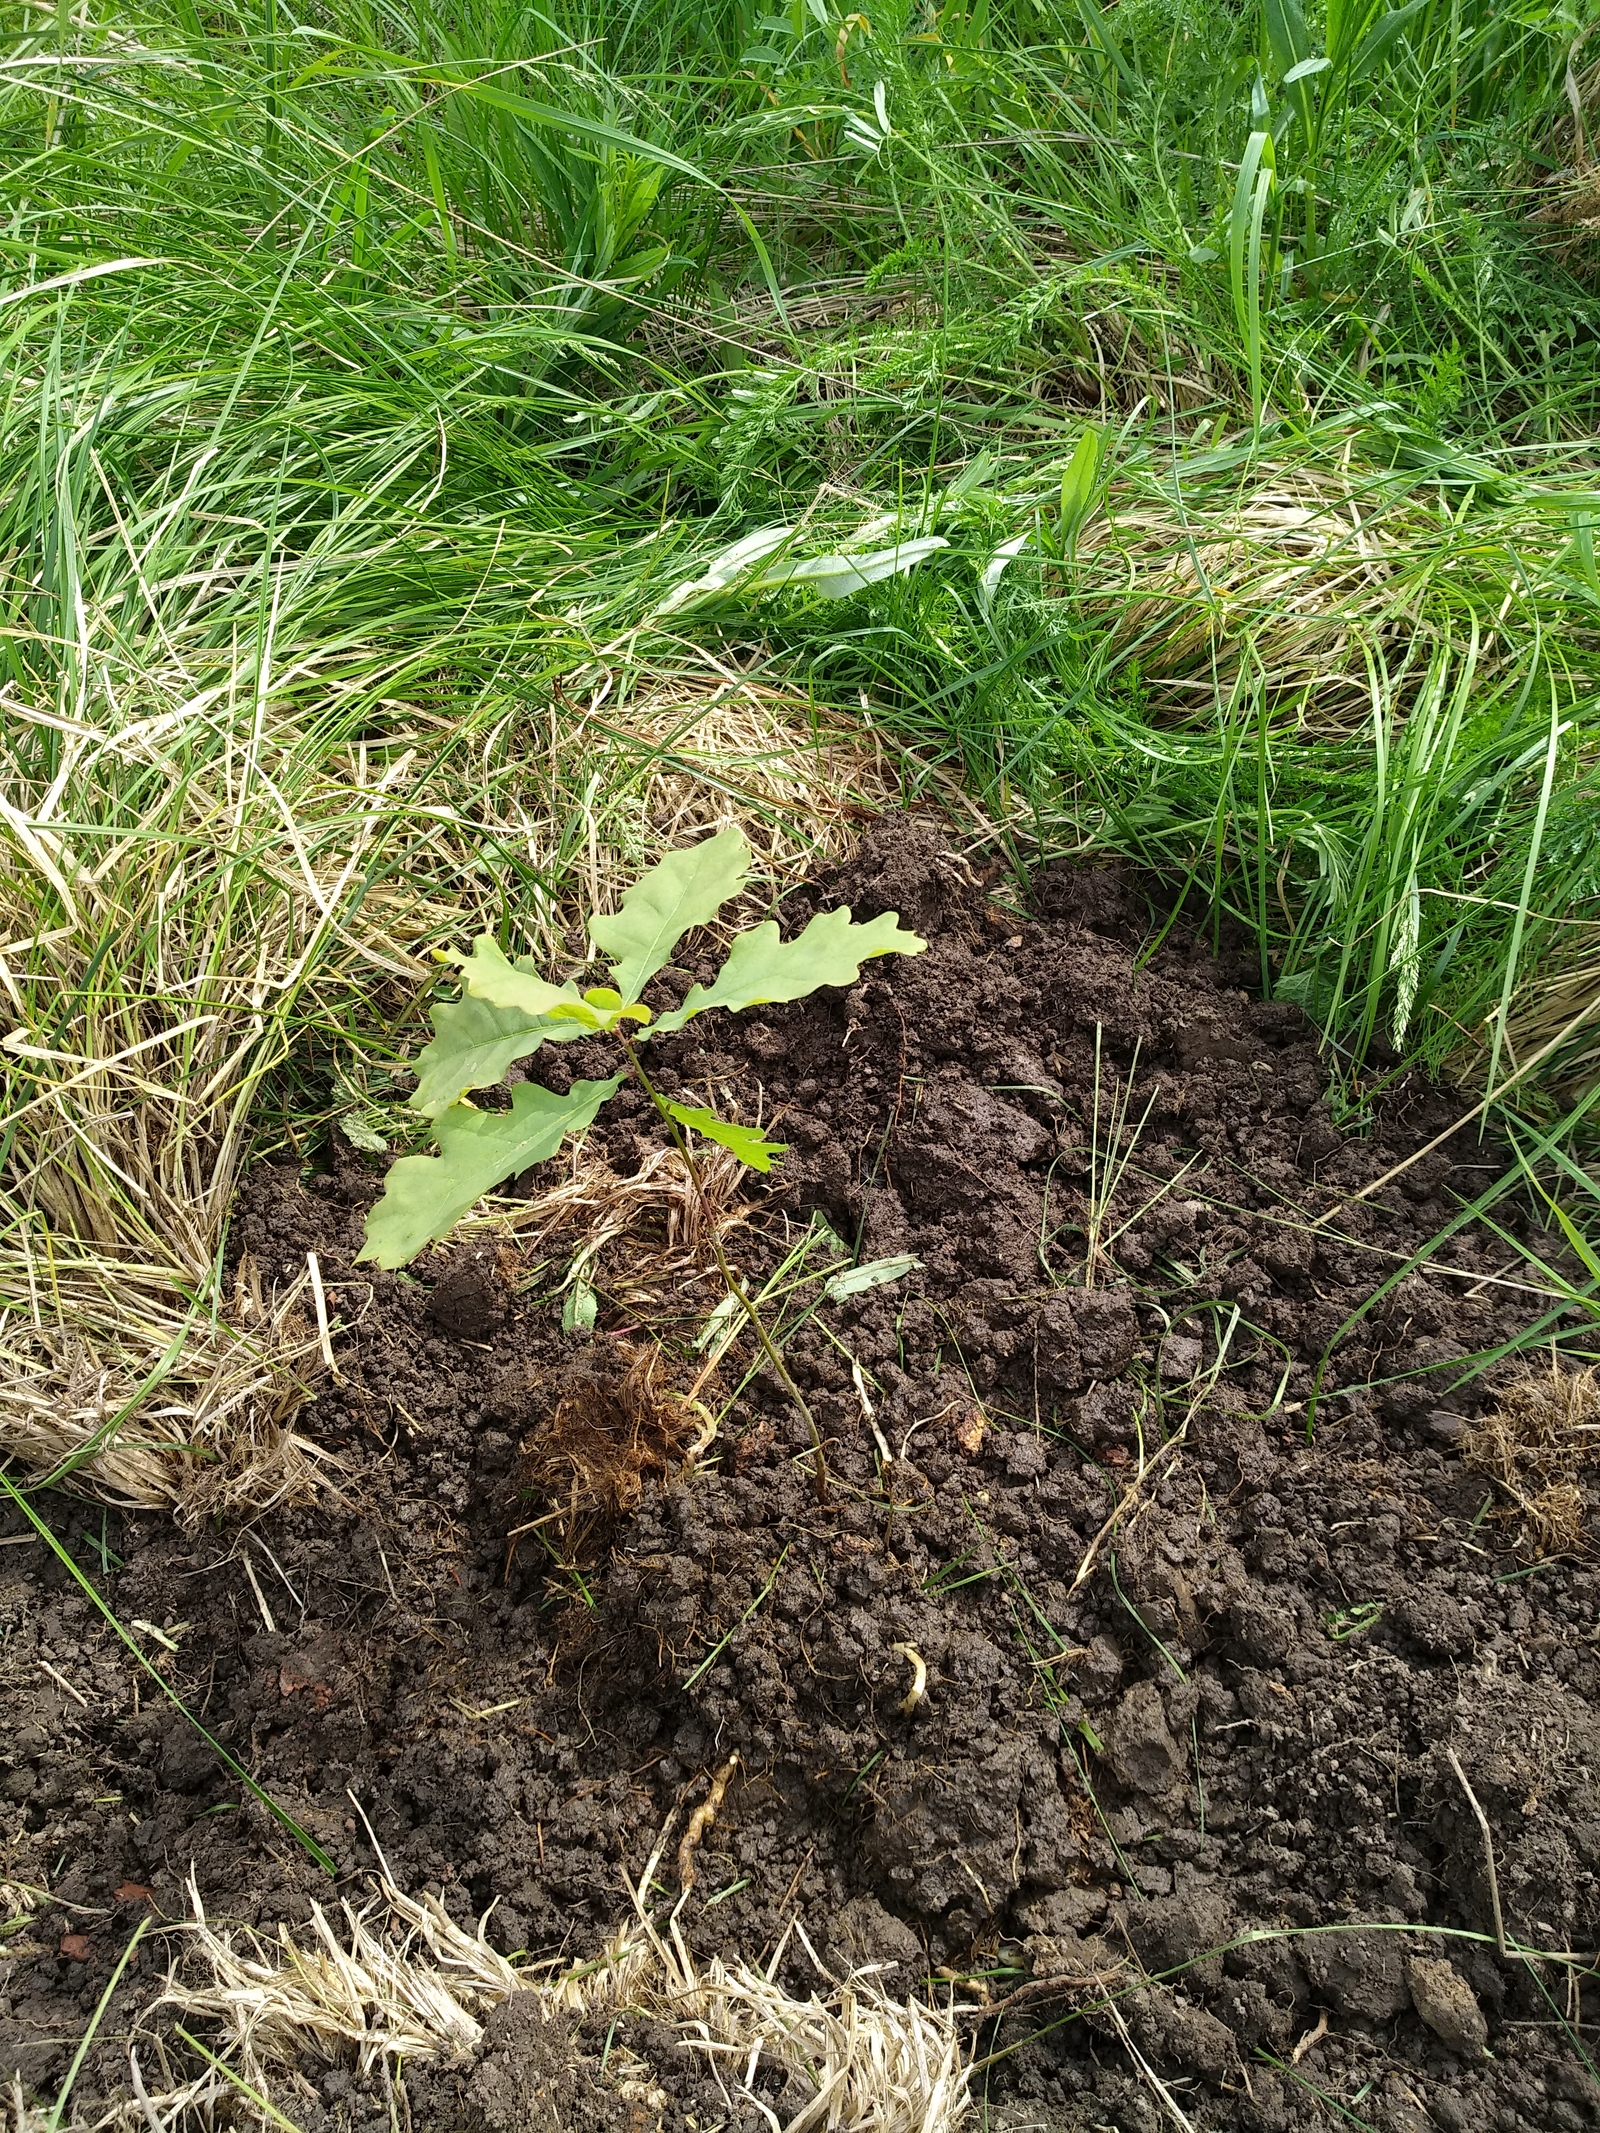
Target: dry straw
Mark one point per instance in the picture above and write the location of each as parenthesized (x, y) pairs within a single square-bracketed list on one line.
[(1538, 1444), (399, 1981), (1298, 570)]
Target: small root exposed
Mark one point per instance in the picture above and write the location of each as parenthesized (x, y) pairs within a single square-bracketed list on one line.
[(919, 1677), (700, 1821), (616, 1424)]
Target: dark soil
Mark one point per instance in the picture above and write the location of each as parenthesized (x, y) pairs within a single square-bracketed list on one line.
[(1244, 1717)]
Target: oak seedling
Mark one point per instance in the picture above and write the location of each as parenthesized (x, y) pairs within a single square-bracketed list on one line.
[(506, 1012)]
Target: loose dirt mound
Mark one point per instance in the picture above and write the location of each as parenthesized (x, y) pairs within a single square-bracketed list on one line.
[(1258, 1700)]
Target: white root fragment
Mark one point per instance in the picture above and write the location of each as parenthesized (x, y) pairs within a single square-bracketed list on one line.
[(919, 1677), (700, 1821)]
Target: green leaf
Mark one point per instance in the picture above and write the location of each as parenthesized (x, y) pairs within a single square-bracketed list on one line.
[(1286, 34), (854, 1280), (1381, 39), (745, 1141), (486, 975), (688, 888), (534, 113), (473, 1044), (1080, 486), (724, 568), (1575, 1237), (719, 1322), (1100, 31), (425, 1196), (761, 968), (581, 1308), (835, 577)]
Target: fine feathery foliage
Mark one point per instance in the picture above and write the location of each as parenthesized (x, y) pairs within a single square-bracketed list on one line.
[(506, 1012)]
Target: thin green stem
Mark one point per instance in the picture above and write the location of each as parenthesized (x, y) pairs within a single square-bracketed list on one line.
[(734, 1287)]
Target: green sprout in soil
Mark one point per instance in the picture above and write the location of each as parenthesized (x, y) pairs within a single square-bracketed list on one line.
[(507, 1011)]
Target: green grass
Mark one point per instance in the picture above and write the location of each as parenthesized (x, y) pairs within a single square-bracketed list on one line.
[(383, 384)]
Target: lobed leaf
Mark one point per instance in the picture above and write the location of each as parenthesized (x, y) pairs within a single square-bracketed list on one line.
[(762, 969), (425, 1196), (747, 1142), (473, 1044), (487, 975), (687, 888)]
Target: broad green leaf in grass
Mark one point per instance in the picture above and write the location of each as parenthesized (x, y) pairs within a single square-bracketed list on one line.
[(1286, 34), (762, 969), (688, 888), (724, 569), (1251, 193), (994, 569), (473, 1044), (1294, 57), (425, 1196), (837, 576), (534, 113), (855, 1280), (1081, 485), (747, 1142), (581, 1308), (1381, 39)]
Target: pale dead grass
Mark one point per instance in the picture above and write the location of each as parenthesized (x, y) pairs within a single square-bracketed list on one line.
[(397, 1981), (1297, 576), (205, 1426), (645, 1239), (1562, 995), (1537, 1446), (1567, 215)]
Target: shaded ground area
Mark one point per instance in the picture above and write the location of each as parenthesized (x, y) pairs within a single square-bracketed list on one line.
[(1258, 1700)]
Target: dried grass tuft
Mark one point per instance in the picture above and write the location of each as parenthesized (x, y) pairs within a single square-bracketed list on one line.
[(1562, 995), (166, 1404), (1568, 214), (197, 2106), (1536, 1446), (646, 1238), (403, 1981), (398, 1980), (1293, 569), (862, 2061)]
